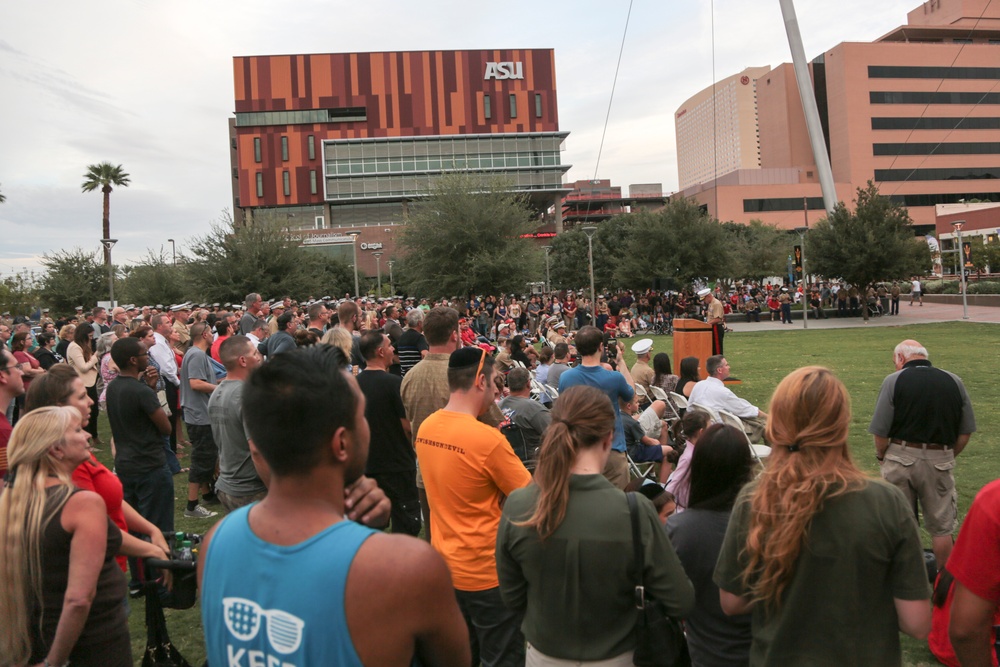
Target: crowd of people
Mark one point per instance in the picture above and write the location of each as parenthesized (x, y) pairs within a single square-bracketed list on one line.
[(503, 432)]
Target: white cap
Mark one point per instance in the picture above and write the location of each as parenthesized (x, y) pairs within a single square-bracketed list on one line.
[(642, 346), (703, 292)]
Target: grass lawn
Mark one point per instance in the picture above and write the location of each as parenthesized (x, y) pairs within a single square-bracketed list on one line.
[(860, 357)]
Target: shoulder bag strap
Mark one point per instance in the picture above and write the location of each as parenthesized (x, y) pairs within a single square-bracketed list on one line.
[(640, 564)]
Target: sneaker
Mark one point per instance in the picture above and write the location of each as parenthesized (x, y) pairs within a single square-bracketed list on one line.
[(199, 512)]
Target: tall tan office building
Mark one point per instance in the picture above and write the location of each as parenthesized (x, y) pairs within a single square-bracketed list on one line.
[(916, 111), (717, 129)]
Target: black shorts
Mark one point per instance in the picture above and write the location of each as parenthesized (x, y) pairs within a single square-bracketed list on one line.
[(204, 454)]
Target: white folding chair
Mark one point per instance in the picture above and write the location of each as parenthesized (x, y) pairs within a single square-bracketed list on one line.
[(759, 452), (679, 400), (712, 414), (640, 392), (640, 470), (661, 395), (551, 391)]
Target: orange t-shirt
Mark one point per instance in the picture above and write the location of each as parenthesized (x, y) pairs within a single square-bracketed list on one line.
[(468, 468)]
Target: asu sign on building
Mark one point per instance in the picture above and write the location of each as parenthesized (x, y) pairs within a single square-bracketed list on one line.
[(345, 141)]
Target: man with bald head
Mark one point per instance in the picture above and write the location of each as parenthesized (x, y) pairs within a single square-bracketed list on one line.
[(923, 419)]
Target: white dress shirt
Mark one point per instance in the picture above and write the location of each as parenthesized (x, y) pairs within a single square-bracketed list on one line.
[(712, 393), (163, 355)]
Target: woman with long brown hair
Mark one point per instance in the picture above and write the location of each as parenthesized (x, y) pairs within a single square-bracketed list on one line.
[(828, 560), (80, 355), (62, 595), (565, 549)]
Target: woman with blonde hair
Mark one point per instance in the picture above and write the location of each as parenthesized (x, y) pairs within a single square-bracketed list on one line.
[(62, 594), (339, 337), (828, 561), (565, 548), (65, 338)]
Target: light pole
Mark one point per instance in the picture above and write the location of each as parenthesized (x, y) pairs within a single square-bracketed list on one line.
[(391, 281), (961, 266), (173, 249), (108, 245), (354, 249), (589, 231), (548, 283), (805, 288), (378, 265)]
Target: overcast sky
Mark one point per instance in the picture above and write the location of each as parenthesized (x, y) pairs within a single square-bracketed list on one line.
[(149, 85)]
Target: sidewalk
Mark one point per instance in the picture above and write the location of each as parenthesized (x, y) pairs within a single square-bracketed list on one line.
[(915, 314)]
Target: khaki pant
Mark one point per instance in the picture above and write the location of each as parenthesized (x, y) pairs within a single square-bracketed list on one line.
[(616, 470), (925, 475)]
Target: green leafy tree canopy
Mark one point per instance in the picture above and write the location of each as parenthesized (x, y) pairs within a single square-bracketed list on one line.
[(73, 278), (465, 238), (874, 242)]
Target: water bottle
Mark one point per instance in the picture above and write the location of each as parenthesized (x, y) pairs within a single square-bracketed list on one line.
[(185, 550)]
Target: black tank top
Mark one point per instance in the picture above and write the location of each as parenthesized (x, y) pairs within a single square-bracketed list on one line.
[(105, 639)]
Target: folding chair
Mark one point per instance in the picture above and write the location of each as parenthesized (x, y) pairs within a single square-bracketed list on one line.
[(661, 395), (759, 452), (638, 471), (679, 400), (553, 392), (712, 414)]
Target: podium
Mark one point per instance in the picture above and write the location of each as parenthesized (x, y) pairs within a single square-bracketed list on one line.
[(692, 338)]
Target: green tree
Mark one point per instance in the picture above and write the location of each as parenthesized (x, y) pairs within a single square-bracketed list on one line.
[(154, 280), (466, 238), (985, 256), (73, 278), (568, 264), (872, 243), (103, 175), (233, 260), (679, 242), (757, 251), (18, 294)]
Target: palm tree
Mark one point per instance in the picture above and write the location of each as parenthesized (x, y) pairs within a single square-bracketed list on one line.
[(2, 198), (103, 176)]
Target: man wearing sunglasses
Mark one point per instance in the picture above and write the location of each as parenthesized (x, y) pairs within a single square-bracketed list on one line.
[(468, 468)]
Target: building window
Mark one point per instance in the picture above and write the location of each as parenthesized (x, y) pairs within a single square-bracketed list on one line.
[(311, 141), (233, 142), (487, 106), (941, 174), (312, 181), (256, 149), (936, 123), (908, 97), (936, 72), (781, 204), (260, 184), (236, 172), (284, 149), (513, 106), (538, 105), (286, 182), (965, 148)]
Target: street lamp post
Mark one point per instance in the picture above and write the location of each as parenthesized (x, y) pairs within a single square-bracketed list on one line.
[(354, 250), (391, 281), (961, 267), (378, 269), (589, 231), (108, 245), (805, 288), (173, 250), (548, 283)]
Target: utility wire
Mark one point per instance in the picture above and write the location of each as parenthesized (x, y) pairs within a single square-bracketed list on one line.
[(613, 84)]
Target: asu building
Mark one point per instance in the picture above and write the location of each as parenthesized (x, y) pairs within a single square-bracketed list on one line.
[(917, 111), (331, 143)]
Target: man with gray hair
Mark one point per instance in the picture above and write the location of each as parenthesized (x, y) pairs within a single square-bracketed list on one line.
[(525, 415), (411, 346), (923, 419), (251, 307)]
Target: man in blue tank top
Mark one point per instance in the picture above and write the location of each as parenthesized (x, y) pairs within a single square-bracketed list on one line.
[(290, 580)]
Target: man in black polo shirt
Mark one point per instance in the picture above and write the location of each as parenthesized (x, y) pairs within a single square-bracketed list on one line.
[(923, 419)]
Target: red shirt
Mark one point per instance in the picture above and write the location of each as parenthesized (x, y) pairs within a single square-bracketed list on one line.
[(93, 476), (214, 350), (25, 358)]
